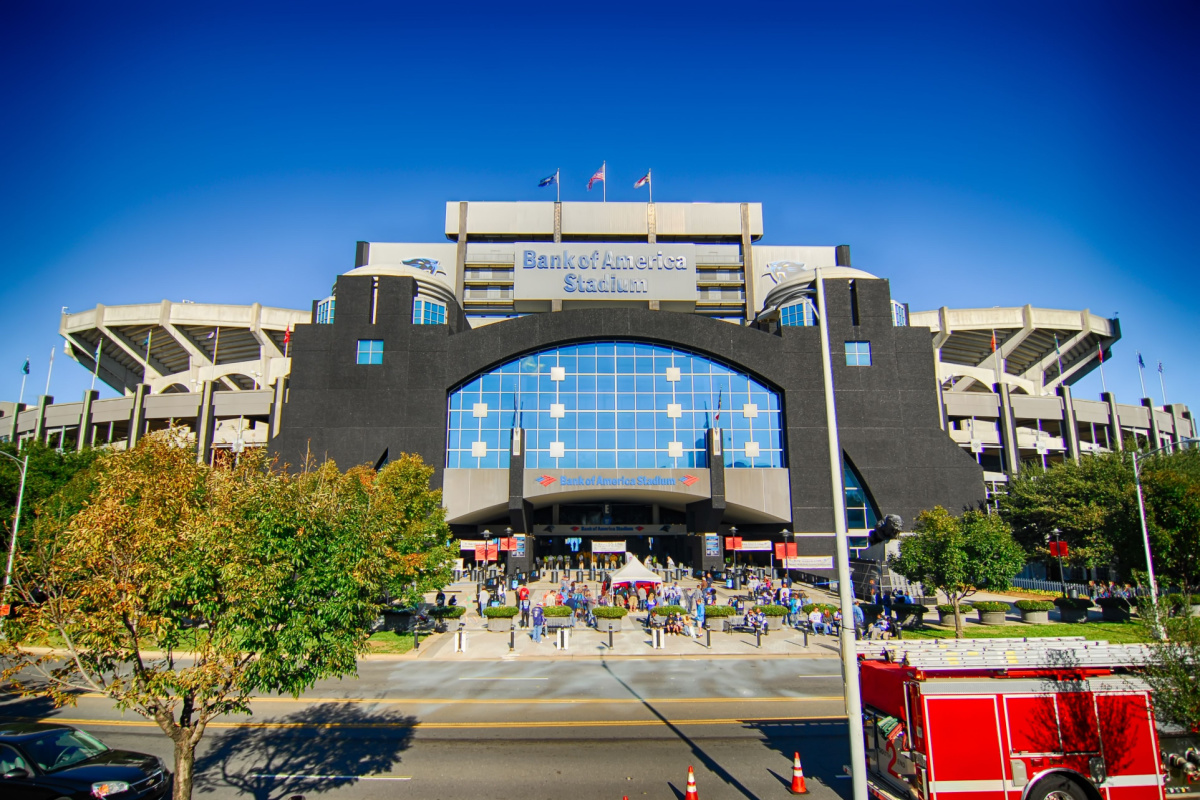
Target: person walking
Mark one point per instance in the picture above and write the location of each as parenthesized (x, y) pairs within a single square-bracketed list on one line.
[(484, 596), (523, 604), (539, 620)]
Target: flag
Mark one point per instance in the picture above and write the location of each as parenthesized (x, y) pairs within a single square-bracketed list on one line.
[(211, 334), (720, 396), (1141, 363), (1100, 350), (993, 341), (287, 335), (547, 181), (25, 369), (643, 181), (1160, 368), (599, 176)]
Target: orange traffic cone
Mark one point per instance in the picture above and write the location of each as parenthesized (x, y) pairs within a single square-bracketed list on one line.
[(798, 785), (691, 786)]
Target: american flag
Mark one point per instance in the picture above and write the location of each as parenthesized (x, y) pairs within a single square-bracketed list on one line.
[(599, 176)]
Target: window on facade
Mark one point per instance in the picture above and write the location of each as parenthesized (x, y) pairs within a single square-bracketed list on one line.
[(609, 405), (370, 351), (427, 312), (858, 354), (798, 315), (860, 515), (325, 311), (899, 315)]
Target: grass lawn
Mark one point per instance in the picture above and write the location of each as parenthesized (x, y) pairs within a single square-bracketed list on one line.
[(391, 642), (1115, 632)]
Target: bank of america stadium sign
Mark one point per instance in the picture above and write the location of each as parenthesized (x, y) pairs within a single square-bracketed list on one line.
[(604, 272), (619, 480)]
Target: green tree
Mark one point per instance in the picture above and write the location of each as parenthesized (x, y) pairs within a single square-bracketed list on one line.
[(959, 555), (49, 471), (267, 581), (1094, 503), (1174, 672)]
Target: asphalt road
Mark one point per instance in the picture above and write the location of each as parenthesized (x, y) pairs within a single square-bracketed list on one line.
[(580, 729)]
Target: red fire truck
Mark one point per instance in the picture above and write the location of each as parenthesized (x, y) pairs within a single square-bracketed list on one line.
[(1017, 719)]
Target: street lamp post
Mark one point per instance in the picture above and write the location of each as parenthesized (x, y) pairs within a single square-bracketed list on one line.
[(737, 579), (1137, 479), (787, 537), (12, 544), (1062, 578)]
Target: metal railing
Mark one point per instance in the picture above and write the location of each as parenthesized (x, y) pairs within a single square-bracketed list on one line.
[(1048, 586)]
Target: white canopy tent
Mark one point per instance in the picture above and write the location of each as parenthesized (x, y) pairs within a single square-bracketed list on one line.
[(634, 572)]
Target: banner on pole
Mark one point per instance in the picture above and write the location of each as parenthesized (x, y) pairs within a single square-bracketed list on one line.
[(756, 545), (785, 550), (608, 547), (810, 562)]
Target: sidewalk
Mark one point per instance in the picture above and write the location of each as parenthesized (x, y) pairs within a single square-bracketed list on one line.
[(633, 641)]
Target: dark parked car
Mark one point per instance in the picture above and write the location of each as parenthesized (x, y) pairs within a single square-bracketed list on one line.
[(41, 761)]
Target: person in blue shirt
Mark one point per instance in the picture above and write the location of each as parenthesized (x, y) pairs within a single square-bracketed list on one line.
[(539, 621)]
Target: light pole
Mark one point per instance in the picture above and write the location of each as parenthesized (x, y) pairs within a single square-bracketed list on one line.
[(1062, 578), (737, 579), (1137, 479), (12, 545), (787, 536)]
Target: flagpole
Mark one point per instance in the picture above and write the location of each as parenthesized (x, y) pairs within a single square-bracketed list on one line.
[(557, 187), (1141, 373), (1161, 384), (216, 348), (96, 371), (49, 371), (604, 170), (650, 183), (24, 375), (1058, 354), (1103, 383)]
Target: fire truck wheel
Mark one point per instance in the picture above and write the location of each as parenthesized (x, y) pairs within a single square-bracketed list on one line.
[(1057, 787)]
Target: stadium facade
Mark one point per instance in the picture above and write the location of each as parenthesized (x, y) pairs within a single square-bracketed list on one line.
[(588, 377)]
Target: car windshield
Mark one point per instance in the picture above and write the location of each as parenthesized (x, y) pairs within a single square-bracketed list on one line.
[(60, 749)]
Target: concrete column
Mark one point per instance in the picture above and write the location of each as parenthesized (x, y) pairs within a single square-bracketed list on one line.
[(39, 427), (943, 419), (1069, 427), (1155, 433), (85, 418), (1008, 432), (748, 276), (557, 222), (137, 418), (520, 510), (16, 416), (651, 224), (1114, 421), (1178, 414), (277, 404), (460, 271), (205, 424)]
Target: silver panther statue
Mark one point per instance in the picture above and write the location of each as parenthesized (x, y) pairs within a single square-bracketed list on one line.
[(888, 529)]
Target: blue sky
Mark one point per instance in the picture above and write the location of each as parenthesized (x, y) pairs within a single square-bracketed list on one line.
[(975, 154)]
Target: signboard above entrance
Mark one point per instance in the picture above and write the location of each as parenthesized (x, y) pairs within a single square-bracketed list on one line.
[(608, 547), (601, 530), (616, 271)]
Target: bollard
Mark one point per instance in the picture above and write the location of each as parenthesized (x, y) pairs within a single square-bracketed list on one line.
[(512, 638), (460, 640), (757, 637), (805, 631), (416, 639), (610, 644), (708, 636)]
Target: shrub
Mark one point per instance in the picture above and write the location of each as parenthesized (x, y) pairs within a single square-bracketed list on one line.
[(916, 609), (719, 611), (871, 610), (500, 612), (662, 611), (1112, 602), (991, 605), (610, 612), (771, 610), (808, 609), (557, 611), (1073, 602), (948, 608), (1034, 605), (449, 612)]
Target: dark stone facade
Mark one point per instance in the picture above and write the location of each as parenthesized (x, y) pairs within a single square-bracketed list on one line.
[(888, 413)]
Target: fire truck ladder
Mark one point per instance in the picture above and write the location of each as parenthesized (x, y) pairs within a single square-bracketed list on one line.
[(1064, 652)]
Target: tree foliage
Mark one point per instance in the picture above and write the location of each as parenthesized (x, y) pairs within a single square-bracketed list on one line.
[(1094, 504), (1174, 672), (178, 589), (49, 471), (959, 555)]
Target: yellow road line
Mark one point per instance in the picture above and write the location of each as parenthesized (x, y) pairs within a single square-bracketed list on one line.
[(446, 725), (483, 701)]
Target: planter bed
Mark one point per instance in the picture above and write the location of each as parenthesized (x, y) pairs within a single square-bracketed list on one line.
[(1073, 609), (1035, 612)]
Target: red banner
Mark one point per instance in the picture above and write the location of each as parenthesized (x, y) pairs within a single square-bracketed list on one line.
[(785, 550), (1058, 549), (733, 543), (508, 544), (487, 552)]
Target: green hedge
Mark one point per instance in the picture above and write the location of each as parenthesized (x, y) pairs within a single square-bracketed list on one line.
[(500, 612), (610, 612), (1034, 605), (915, 609), (557, 611), (808, 609), (450, 612), (719, 611), (771, 610), (1073, 602), (948, 608), (990, 605), (663, 611)]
